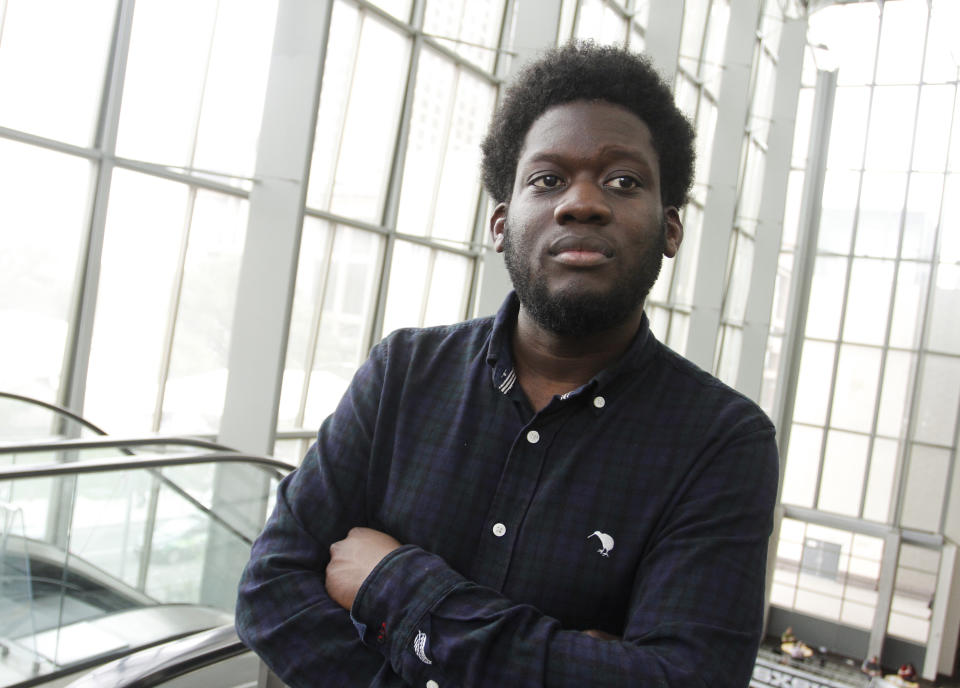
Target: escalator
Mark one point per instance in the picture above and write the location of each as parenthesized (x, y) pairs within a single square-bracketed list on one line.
[(119, 558)]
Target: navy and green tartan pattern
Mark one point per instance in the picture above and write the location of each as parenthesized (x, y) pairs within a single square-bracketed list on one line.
[(501, 511)]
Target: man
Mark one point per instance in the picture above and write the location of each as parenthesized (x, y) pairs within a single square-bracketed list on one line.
[(549, 497)]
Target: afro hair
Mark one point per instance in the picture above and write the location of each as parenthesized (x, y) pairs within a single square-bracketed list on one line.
[(586, 71)]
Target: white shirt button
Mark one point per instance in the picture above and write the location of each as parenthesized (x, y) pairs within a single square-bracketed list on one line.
[(499, 529), (533, 437), (599, 402), (432, 684)]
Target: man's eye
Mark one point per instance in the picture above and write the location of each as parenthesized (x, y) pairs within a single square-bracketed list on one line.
[(546, 181), (624, 183)]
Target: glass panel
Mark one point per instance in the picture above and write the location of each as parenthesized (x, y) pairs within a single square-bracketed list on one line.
[(801, 135), (467, 25), (235, 86), (813, 385), (901, 44), (855, 392), (706, 126), (447, 301), (926, 487), (839, 202), (143, 236), (41, 246), (457, 192), (679, 328), (363, 84), (343, 330), (944, 320), (941, 56), (933, 128), (868, 301), (711, 67), (409, 272), (163, 87), (949, 249), (193, 399), (847, 132), (922, 215), (908, 305), (851, 34), (894, 409), (841, 482), (826, 297), (598, 21), (913, 590), (688, 256), (736, 301), (791, 215), (883, 466), (53, 58), (691, 36), (730, 354), (881, 207), (893, 112), (686, 95), (803, 462), (939, 395)]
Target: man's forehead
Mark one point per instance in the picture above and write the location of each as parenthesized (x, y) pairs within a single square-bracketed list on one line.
[(594, 126)]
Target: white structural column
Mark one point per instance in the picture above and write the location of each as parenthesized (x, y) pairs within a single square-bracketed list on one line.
[(720, 207), (756, 325), (534, 28), (888, 574), (269, 266), (266, 283), (662, 39)]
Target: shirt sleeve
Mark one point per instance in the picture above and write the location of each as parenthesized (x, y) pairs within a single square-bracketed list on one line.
[(283, 610), (695, 612)]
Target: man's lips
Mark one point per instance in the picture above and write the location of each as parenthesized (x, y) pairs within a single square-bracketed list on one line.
[(581, 251)]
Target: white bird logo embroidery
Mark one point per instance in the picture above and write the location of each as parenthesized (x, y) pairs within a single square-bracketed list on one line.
[(606, 542)]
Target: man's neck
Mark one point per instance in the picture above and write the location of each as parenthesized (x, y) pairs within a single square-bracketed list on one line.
[(548, 363)]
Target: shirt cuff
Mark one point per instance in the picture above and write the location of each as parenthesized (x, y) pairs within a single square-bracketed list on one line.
[(396, 595)]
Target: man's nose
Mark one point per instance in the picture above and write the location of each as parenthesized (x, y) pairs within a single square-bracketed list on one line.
[(583, 201)]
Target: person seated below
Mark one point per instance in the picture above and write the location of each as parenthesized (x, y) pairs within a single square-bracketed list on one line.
[(799, 651), (907, 672), (871, 666), (787, 636)]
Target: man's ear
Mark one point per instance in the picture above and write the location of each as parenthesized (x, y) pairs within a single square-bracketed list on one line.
[(498, 225), (674, 231)]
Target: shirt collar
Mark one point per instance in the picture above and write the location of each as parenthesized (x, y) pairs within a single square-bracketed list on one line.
[(500, 354)]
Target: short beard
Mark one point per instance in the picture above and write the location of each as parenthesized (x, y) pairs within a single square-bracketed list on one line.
[(575, 313)]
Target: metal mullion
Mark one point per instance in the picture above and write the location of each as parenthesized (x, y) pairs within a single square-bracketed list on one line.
[(392, 204), (315, 322), (92, 154), (175, 296), (171, 174), (456, 57), (80, 335)]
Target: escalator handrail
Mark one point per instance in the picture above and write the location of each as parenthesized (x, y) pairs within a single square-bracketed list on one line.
[(162, 663), (111, 442), (16, 471), (56, 408)]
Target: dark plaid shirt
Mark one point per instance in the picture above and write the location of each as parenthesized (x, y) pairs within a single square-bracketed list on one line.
[(639, 504)]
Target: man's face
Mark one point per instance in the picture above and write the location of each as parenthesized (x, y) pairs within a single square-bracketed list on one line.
[(585, 231)]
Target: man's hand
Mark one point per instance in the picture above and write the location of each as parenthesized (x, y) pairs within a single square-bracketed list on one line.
[(351, 561)]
